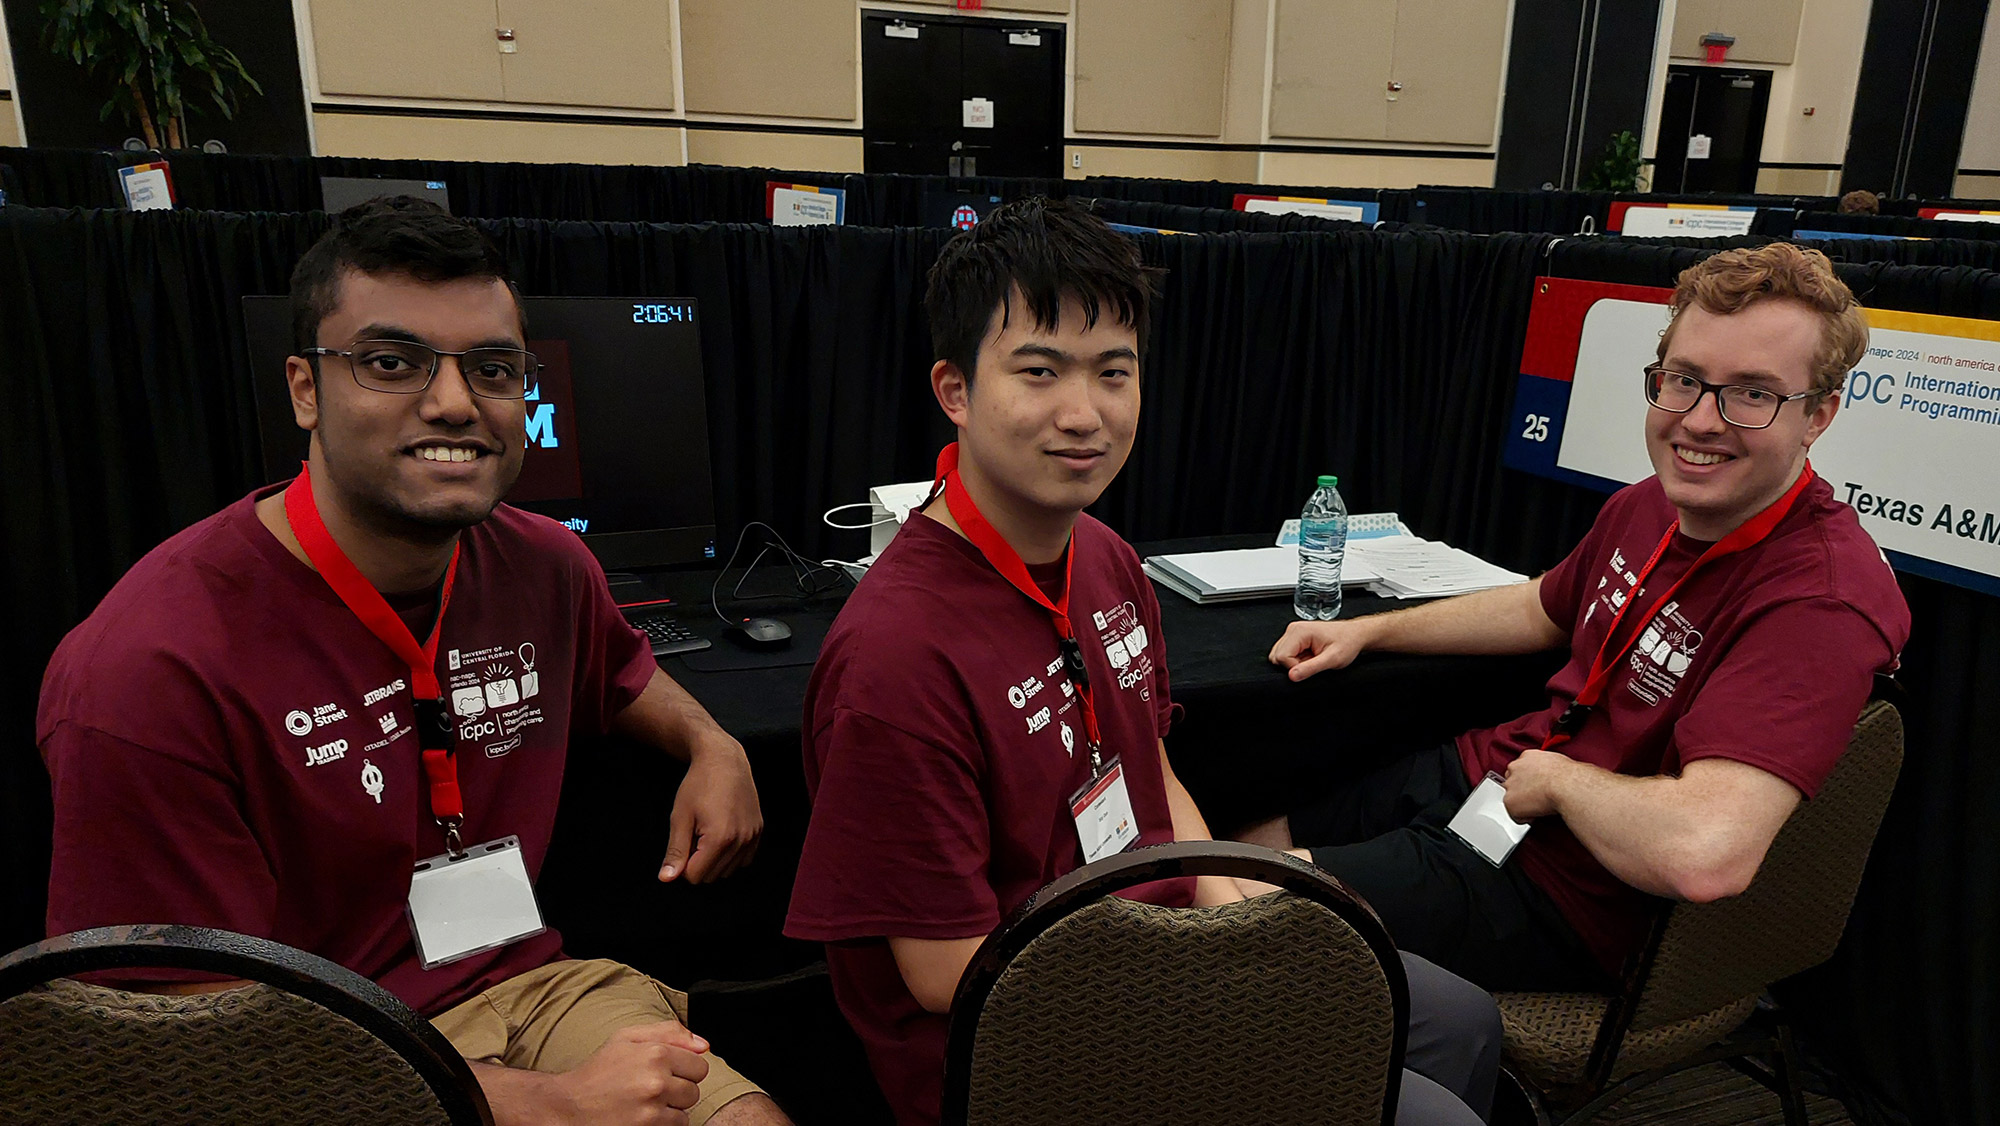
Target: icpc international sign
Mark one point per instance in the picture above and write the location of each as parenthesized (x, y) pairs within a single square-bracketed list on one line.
[(1912, 448)]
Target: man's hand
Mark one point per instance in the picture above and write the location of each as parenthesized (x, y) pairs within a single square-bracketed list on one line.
[(1311, 647), (646, 1075), (716, 819), (1532, 780), (650, 1073)]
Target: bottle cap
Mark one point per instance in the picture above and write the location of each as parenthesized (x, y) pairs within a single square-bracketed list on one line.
[(1328, 481)]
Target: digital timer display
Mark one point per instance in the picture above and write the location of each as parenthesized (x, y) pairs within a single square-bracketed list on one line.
[(662, 314)]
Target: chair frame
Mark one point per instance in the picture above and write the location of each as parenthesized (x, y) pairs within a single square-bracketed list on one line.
[(1092, 882), (1782, 1077), (338, 989), (1782, 1080)]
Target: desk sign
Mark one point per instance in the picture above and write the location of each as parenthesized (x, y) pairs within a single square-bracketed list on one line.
[(1958, 215), (148, 187), (1353, 211), (1910, 448), (1687, 220), (803, 205)]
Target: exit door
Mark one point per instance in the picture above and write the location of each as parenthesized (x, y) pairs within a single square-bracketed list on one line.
[(961, 97), (1711, 129)]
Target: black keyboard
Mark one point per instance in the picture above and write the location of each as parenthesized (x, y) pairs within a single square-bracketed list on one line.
[(668, 635)]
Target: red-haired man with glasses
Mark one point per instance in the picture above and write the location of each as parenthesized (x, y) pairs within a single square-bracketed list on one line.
[(1689, 720)]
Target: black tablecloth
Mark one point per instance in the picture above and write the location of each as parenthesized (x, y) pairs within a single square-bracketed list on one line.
[(1250, 743)]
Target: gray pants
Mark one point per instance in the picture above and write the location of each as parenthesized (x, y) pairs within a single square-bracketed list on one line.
[(1453, 1060)]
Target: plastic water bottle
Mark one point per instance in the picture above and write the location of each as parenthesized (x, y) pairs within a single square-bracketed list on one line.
[(1322, 546)]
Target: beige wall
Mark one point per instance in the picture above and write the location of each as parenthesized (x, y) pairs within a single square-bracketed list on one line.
[(1345, 171), (1166, 164), (445, 138), (1981, 147), (1976, 187), (6, 62), (793, 152), (1156, 67), (776, 58), (10, 121), (1140, 70), (1798, 181)]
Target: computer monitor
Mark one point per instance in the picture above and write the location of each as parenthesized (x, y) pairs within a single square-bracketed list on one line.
[(338, 193), (962, 210), (617, 434)]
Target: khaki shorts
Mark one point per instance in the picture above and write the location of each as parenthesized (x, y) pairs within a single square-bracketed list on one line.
[(554, 1018)]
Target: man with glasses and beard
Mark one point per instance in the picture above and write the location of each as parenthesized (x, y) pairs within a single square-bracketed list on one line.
[(1724, 620), (276, 715)]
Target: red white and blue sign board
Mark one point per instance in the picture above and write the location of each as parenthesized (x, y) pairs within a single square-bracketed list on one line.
[(1641, 219), (803, 205), (1352, 210), (1958, 215), (1911, 448)]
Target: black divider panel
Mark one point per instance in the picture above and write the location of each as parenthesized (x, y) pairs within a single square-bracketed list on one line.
[(1389, 357)]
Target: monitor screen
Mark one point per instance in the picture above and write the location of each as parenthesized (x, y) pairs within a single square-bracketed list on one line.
[(962, 210), (338, 193), (617, 433)]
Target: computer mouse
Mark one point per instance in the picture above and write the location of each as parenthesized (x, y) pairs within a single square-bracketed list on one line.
[(764, 632)]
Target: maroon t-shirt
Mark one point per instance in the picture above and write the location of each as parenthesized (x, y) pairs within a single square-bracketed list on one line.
[(942, 744), (1765, 657), (230, 747)]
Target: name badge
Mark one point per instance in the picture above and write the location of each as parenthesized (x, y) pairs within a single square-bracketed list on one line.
[(1103, 812), (1482, 822), (466, 905)]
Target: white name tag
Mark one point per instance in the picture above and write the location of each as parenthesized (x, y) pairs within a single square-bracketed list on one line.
[(1103, 811), (478, 902), (1482, 822)]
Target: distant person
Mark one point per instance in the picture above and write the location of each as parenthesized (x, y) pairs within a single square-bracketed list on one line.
[(1860, 202), (248, 734), (1724, 618), (946, 734)]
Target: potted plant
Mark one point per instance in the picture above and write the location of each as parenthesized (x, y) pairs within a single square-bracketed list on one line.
[(150, 57), (1618, 169)]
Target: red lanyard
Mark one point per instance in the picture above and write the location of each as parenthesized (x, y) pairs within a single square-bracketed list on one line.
[(433, 721), (1008, 562), (1752, 532)]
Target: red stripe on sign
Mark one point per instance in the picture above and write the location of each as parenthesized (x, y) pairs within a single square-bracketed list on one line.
[(1615, 221), (1555, 321), (1243, 200)]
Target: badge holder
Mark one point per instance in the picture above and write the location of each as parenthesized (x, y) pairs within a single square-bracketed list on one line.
[(470, 902), (1103, 812), (1483, 824), (464, 901)]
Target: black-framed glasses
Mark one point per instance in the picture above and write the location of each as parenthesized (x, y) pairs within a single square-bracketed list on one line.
[(404, 367), (1743, 405)]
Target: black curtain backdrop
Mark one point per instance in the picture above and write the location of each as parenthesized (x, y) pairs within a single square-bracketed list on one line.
[(42, 177), (1389, 357), (618, 192)]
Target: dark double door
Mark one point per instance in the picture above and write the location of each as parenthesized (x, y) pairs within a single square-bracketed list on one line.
[(1711, 129), (918, 73)]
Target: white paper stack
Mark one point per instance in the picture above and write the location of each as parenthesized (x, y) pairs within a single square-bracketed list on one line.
[(1414, 568), (1382, 555), (1228, 576)]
